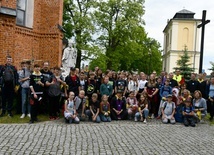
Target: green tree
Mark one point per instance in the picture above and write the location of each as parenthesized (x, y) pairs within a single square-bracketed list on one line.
[(99, 61), (123, 36), (78, 23), (212, 66), (184, 65), (111, 33)]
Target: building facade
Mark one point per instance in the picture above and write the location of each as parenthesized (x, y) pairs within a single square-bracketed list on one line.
[(30, 29), (181, 31)]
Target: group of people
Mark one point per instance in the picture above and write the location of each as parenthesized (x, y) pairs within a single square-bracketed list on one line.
[(97, 96)]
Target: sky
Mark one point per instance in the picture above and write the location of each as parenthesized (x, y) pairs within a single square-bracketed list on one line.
[(157, 12)]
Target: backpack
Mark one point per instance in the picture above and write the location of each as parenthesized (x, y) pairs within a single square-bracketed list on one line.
[(8, 75), (165, 104)]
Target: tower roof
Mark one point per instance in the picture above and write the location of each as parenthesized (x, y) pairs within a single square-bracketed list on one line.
[(184, 14)]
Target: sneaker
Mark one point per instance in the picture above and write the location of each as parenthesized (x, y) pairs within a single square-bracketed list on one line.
[(135, 119), (70, 121), (159, 117), (152, 117), (202, 121), (144, 121), (23, 116), (10, 114), (51, 118), (28, 115), (31, 122)]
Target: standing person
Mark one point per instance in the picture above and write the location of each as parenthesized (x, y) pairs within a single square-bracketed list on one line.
[(86, 70), (111, 81), (210, 94), (163, 77), (192, 84), (141, 85), (9, 77), (151, 88), (105, 109), (202, 86), (92, 85), (36, 87), (70, 110), (18, 91), (54, 92), (178, 77), (77, 72), (106, 88), (83, 82), (47, 77), (133, 85), (73, 82), (121, 85), (99, 79), (173, 83), (24, 79)]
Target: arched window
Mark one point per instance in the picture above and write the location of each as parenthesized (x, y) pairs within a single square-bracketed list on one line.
[(185, 36)]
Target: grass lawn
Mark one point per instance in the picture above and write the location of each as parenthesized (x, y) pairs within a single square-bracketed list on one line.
[(207, 119), (16, 119)]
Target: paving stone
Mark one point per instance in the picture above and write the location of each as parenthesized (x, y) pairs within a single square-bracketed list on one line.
[(117, 137)]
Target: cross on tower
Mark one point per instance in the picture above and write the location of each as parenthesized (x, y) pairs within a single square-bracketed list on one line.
[(204, 22)]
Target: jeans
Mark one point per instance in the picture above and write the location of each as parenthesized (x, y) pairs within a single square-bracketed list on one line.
[(105, 118), (89, 114), (189, 120), (25, 100), (145, 114)]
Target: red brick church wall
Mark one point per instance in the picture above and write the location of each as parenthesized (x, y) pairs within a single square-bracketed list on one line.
[(42, 42)]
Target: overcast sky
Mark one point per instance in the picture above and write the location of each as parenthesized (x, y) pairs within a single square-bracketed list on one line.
[(158, 11)]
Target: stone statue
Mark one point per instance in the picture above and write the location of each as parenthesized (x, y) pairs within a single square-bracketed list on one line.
[(68, 58)]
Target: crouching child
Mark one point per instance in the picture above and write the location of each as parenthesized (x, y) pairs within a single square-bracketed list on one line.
[(70, 110), (80, 102), (188, 113), (93, 112), (105, 109), (168, 110)]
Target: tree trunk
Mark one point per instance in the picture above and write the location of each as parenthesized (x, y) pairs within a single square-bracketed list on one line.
[(78, 60)]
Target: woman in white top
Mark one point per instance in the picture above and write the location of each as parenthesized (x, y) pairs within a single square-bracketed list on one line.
[(141, 84), (133, 84)]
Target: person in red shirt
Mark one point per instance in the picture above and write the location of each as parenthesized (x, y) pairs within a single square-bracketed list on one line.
[(73, 82)]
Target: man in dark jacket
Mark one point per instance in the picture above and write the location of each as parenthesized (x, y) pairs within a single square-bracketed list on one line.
[(9, 78), (192, 84), (173, 83)]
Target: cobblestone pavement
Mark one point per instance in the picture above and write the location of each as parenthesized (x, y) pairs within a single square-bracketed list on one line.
[(117, 137)]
